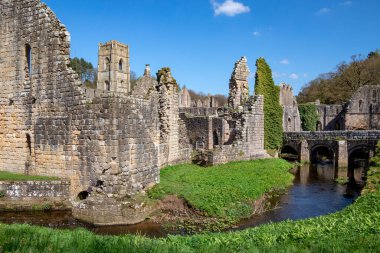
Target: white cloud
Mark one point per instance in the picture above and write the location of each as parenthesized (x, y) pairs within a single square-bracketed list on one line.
[(347, 3), (285, 62), (323, 11), (256, 34), (294, 76), (278, 74), (229, 8)]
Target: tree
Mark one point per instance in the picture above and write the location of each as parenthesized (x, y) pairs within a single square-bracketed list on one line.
[(264, 85), (337, 87), (85, 70)]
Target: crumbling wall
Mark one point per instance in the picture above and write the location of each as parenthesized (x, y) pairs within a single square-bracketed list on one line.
[(105, 143), (363, 109), (144, 84), (291, 116), (239, 89)]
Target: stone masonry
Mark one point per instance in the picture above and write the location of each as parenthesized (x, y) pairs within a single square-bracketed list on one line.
[(291, 118), (107, 143)]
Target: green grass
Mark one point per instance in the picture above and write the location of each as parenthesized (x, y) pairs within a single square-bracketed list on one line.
[(8, 176), (226, 191), (354, 229)]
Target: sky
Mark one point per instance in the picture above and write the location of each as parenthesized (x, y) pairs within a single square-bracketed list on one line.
[(200, 40)]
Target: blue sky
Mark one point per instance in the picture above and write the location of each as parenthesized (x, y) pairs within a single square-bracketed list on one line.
[(201, 39)]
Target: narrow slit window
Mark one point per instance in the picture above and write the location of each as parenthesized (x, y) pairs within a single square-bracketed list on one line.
[(28, 57), (121, 65)]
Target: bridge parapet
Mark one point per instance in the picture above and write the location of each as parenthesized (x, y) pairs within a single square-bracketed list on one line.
[(341, 143), (333, 135)]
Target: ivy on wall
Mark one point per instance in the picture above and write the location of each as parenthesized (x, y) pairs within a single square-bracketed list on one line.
[(264, 85), (309, 116)]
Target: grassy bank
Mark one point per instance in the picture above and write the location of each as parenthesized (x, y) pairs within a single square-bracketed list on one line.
[(8, 176), (354, 229), (226, 191)]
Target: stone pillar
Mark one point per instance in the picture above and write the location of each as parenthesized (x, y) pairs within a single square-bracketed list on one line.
[(342, 156), (305, 153)]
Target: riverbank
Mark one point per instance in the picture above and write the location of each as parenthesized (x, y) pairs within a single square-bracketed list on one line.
[(194, 199), (354, 229)]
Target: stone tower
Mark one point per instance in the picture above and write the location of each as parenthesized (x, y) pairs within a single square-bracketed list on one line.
[(113, 67)]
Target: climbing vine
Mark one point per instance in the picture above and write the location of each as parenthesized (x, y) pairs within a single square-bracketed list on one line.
[(309, 116), (264, 85)]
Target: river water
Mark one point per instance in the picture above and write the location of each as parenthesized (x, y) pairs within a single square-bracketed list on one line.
[(313, 193)]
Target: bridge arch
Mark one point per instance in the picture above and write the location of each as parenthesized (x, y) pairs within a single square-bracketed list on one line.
[(289, 152), (358, 163), (322, 153)]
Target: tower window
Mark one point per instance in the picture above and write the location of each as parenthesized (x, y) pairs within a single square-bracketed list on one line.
[(121, 64), (28, 57), (107, 64), (108, 86)]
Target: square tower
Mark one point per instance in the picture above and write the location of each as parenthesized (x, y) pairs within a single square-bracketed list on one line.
[(113, 67)]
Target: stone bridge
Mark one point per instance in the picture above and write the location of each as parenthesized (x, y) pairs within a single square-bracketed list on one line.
[(342, 146)]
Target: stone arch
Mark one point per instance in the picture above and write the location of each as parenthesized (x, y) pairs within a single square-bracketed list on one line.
[(322, 153), (319, 126), (107, 86), (107, 64), (358, 163), (288, 152), (121, 64)]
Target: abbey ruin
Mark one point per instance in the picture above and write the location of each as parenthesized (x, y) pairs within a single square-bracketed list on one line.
[(108, 144), (111, 142)]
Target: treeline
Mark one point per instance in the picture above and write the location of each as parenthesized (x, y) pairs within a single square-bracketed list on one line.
[(219, 98), (338, 86)]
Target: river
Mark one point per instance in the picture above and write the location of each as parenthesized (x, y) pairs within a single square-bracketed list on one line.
[(314, 193)]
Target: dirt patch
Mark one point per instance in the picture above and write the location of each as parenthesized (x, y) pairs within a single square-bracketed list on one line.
[(177, 216)]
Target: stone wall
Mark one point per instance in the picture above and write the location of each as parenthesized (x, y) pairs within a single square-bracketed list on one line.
[(106, 142), (363, 109), (239, 88), (145, 84), (331, 117), (34, 195), (291, 116)]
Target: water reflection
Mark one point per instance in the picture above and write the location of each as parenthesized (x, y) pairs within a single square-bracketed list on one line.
[(314, 193)]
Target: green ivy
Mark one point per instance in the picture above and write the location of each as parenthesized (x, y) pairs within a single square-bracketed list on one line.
[(264, 85), (163, 74), (309, 116)]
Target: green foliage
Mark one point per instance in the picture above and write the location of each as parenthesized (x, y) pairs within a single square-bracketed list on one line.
[(338, 86), (8, 176), (162, 76), (225, 190), (85, 70), (309, 116), (2, 194), (354, 229), (264, 85), (43, 207)]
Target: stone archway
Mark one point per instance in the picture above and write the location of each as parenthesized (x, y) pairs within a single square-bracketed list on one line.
[(322, 154), (290, 153), (358, 163)]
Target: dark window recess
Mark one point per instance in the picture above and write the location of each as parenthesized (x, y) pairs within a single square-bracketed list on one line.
[(83, 195), (11, 101), (29, 143), (28, 57)]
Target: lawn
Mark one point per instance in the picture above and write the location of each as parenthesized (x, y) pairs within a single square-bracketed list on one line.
[(8, 176), (354, 229), (226, 191)]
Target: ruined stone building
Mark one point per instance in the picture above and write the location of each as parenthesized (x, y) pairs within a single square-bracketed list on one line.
[(110, 142), (361, 112), (291, 117)]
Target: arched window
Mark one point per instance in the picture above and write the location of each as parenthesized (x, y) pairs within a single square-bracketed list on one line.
[(28, 61), (360, 105), (121, 65), (107, 64), (108, 86)]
